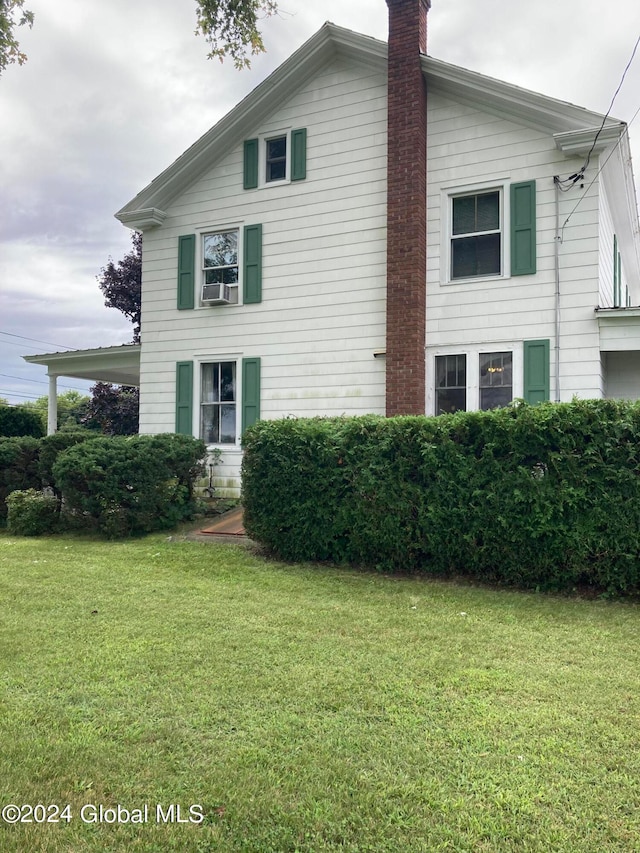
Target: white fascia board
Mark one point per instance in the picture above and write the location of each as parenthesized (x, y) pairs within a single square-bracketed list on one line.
[(119, 364), (244, 118), (578, 143)]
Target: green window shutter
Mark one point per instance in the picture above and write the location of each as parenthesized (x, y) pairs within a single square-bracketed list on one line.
[(252, 263), (186, 271), (184, 397), (250, 392), (536, 371), (523, 228), (299, 154), (250, 164)]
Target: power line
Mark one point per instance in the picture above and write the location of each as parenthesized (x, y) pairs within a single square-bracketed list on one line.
[(39, 381), (37, 340), (565, 184), (15, 394), (615, 95), (597, 175)]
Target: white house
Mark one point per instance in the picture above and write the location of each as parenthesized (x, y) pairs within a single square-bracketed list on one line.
[(374, 230)]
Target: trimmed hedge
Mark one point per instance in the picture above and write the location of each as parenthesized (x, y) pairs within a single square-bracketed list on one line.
[(18, 467), (32, 513), (51, 446), (545, 496), (16, 422), (124, 486)]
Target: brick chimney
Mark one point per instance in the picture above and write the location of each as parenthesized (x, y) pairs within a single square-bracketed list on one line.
[(406, 208)]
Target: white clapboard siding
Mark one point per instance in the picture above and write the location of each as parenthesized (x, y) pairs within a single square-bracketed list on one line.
[(468, 147), (322, 314)]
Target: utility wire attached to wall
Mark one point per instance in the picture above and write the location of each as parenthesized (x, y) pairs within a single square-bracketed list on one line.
[(566, 184)]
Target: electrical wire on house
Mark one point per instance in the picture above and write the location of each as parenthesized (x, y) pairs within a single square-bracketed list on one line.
[(596, 176), (566, 184)]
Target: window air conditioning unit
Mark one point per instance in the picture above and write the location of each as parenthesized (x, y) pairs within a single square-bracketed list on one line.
[(216, 294)]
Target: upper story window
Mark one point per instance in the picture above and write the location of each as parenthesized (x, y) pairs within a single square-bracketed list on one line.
[(220, 267), (276, 159), (220, 258), (476, 235)]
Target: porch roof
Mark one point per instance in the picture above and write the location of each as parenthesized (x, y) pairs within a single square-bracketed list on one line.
[(119, 364)]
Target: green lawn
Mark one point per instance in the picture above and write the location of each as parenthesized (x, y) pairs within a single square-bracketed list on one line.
[(307, 708)]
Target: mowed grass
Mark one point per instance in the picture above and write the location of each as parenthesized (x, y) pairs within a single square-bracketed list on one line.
[(308, 708)]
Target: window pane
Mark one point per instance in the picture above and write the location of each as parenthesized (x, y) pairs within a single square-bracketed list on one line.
[(209, 427), (209, 392), (230, 275), (228, 381), (221, 249), (492, 398), (451, 400), (276, 171), (475, 256), (451, 371), (277, 147), (495, 369), (488, 212), (464, 215), (228, 424)]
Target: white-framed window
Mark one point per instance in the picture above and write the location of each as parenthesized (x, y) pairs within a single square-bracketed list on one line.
[(451, 383), (275, 158), (219, 417), (220, 266), (471, 378), (276, 148), (474, 244), (496, 379), (476, 234)]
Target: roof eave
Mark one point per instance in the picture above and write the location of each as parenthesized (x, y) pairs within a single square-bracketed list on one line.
[(244, 118), (522, 105)]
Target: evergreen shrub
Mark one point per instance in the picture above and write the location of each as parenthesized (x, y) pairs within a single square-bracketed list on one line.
[(130, 485), (31, 513), (541, 496), (50, 448), (18, 467), (16, 421)]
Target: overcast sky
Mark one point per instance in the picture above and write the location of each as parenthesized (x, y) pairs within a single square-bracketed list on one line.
[(115, 90)]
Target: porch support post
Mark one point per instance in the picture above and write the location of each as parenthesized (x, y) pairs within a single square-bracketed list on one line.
[(52, 410)]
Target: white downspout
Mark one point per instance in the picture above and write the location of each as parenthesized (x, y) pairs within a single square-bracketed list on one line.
[(52, 408), (558, 240)]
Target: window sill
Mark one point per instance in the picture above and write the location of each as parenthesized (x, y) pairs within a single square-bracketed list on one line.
[(482, 279)]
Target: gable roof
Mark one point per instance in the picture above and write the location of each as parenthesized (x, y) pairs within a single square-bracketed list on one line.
[(574, 128)]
